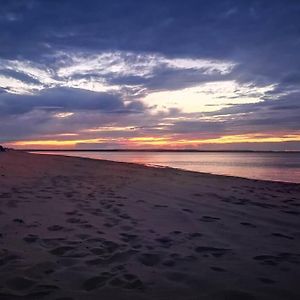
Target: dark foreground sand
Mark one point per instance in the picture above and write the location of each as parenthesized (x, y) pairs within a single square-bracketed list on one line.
[(73, 228)]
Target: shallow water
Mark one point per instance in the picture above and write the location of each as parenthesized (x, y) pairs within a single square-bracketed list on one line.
[(255, 165)]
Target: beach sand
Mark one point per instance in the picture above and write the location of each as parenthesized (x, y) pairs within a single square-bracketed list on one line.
[(74, 228)]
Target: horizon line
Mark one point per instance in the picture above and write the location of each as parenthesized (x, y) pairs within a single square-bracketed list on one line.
[(154, 150)]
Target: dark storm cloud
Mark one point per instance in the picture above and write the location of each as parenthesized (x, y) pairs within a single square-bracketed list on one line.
[(65, 100)]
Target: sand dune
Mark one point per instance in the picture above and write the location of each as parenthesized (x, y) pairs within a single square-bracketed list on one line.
[(74, 228)]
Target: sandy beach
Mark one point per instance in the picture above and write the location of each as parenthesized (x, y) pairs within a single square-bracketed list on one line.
[(74, 228)]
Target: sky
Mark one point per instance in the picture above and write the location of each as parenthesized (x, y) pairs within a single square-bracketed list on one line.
[(193, 74)]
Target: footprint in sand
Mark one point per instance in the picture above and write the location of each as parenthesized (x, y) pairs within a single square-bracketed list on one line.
[(55, 228), (232, 295), (67, 262), (216, 252), (117, 282), (97, 281), (282, 236), (83, 236), (176, 276), (250, 225), (165, 242), (218, 269), (169, 263), (208, 219), (149, 259), (73, 213), (39, 269), (76, 221), (19, 283), (98, 251), (7, 257), (127, 237), (291, 212), (195, 235), (281, 257), (133, 282), (128, 281), (19, 221), (5, 195), (269, 260), (30, 238), (60, 251), (127, 227), (266, 280), (190, 258), (176, 232)]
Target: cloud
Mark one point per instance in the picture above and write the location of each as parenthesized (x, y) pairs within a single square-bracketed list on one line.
[(65, 99), (163, 67), (110, 71)]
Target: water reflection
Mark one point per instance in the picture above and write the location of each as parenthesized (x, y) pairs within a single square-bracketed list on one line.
[(266, 166)]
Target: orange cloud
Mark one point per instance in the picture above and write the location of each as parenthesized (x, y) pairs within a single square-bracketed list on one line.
[(163, 142), (55, 142)]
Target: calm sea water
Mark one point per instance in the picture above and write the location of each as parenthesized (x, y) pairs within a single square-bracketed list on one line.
[(265, 166)]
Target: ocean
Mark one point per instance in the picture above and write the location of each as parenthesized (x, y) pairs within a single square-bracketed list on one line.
[(275, 166)]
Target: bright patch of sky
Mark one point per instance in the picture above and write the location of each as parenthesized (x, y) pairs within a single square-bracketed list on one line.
[(208, 96), (16, 86)]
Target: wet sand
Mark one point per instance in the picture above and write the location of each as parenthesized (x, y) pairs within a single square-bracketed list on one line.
[(75, 228)]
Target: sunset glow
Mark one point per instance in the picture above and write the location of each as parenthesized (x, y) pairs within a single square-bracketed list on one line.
[(161, 142), (183, 82)]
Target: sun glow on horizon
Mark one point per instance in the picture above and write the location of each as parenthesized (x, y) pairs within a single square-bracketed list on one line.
[(54, 142), (152, 141)]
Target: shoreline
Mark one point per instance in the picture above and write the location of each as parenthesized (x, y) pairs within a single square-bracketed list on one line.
[(80, 228), (159, 150), (166, 167)]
